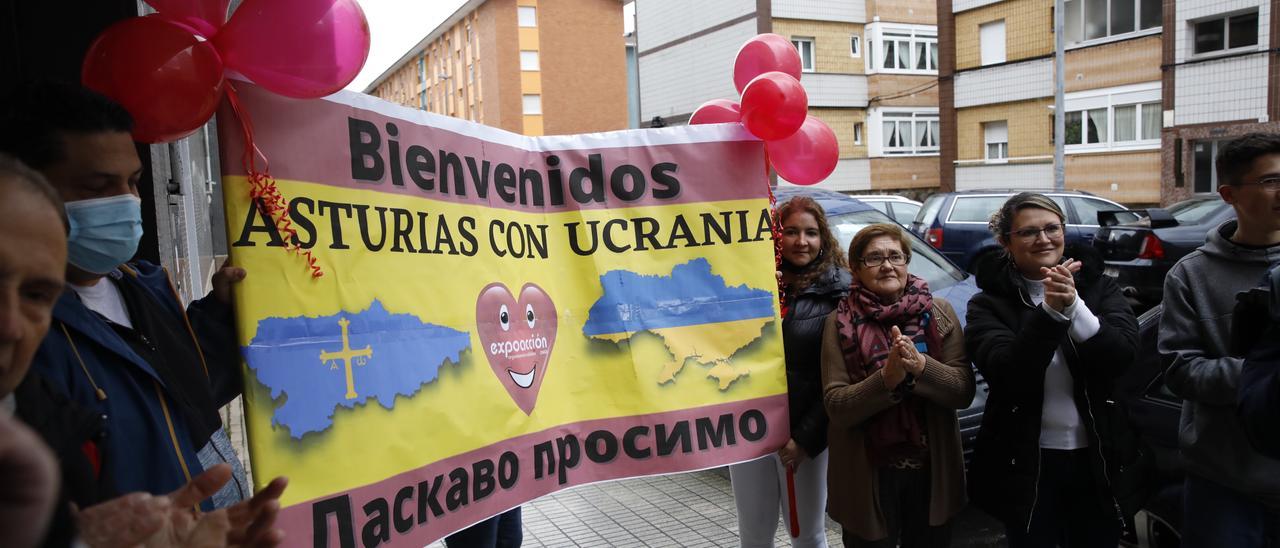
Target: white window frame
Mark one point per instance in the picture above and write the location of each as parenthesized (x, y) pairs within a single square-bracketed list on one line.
[(1226, 34), (855, 45), (536, 109), (995, 133), (1144, 96), (527, 17), (987, 31), (905, 117), (1081, 41), (809, 61), (879, 34), (529, 60)]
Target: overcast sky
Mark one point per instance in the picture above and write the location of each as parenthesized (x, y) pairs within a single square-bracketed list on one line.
[(397, 25)]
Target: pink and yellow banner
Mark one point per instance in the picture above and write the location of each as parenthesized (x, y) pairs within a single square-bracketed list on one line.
[(500, 317)]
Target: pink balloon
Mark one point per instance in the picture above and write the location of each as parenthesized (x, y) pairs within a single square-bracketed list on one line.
[(774, 105), (764, 53), (716, 111), (203, 17), (297, 48), (807, 156)]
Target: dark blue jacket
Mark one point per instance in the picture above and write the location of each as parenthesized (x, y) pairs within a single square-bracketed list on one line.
[(1259, 388), (149, 443)]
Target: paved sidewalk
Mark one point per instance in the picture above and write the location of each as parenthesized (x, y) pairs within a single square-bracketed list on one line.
[(686, 510)]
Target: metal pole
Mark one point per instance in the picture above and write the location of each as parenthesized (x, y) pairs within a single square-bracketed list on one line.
[(1059, 103)]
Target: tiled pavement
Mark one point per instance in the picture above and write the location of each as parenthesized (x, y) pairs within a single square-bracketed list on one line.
[(686, 510)]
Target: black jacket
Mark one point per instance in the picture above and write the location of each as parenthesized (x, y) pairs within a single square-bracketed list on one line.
[(1259, 389), (1012, 343), (74, 434), (807, 311)]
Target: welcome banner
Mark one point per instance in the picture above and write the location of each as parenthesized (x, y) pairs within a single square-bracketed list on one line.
[(500, 316)]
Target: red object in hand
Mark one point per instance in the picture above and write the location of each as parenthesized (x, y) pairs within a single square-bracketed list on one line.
[(791, 501)]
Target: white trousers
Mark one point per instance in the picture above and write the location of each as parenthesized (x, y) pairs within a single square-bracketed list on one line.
[(760, 491)]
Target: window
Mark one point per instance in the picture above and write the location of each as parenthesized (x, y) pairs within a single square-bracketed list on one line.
[(905, 212), (1087, 210), (533, 104), (805, 47), (528, 60), (903, 48), (1224, 33), (976, 209), (857, 133), (527, 16), (996, 137), (1134, 123), (1205, 176), (992, 41), (855, 46), (1097, 19), (910, 133)]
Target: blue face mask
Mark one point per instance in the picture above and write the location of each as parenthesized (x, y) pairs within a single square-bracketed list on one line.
[(104, 232)]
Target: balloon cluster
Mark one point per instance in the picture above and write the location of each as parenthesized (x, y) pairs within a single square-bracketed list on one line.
[(775, 107), (167, 69)]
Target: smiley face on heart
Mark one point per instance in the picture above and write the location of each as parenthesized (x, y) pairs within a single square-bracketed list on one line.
[(517, 337)]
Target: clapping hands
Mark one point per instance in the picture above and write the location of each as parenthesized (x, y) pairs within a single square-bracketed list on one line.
[(1059, 285), (903, 359)]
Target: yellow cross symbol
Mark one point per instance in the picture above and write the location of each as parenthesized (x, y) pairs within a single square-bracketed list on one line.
[(347, 355)]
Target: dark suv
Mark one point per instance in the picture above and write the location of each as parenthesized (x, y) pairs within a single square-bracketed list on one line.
[(956, 222)]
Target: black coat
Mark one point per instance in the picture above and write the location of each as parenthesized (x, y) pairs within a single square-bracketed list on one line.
[(1012, 343), (802, 342), (73, 433)]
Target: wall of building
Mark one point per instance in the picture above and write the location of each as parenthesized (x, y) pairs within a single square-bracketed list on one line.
[(904, 172), (1126, 177), (831, 43), (850, 175), (849, 11), (1028, 31), (661, 21), (1004, 83), (902, 90), (1113, 64), (841, 121), (921, 12), (677, 79), (1036, 175), (1030, 128), (583, 62)]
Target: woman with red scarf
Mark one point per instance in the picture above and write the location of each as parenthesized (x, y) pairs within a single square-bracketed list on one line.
[(894, 373)]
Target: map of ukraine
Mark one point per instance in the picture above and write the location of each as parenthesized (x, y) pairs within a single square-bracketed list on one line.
[(343, 360), (692, 311)]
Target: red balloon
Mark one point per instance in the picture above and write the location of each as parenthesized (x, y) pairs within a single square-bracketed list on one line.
[(204, 17), (807, 156), (774, 105), (764, 53), (297, 48), (168, 79), (716, 111)]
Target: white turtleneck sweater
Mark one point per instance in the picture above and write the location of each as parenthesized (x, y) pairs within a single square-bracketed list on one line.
[(1060, 424)]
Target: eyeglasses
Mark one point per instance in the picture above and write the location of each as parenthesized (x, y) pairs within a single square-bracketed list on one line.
[(1052, 232), (1270, 183), (895, 259)]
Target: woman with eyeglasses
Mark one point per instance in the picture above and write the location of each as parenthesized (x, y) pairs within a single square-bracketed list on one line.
[(1050, 334), (894, 373), (814, 276)]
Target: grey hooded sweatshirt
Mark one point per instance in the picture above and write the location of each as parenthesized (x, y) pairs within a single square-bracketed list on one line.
[(1199, 298)]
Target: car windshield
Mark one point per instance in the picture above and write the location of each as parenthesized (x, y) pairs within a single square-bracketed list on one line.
[(929, 212), (1194, 212), (926, 262)]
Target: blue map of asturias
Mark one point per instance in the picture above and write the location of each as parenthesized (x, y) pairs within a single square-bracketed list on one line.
[(307, 359)]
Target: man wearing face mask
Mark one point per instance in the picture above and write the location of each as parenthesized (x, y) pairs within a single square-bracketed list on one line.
[(121, 342)]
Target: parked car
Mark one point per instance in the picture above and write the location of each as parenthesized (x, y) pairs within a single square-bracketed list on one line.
[(902, 210), (847, 215), (956, 222), (1154, 412), (1139, 254)]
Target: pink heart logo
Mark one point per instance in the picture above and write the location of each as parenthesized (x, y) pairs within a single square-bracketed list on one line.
[(517, 337)]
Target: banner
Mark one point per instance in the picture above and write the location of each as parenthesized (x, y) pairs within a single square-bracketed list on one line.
[(500, 316)]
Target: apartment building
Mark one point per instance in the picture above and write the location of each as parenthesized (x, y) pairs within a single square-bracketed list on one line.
[(869, 68), (1221, 80), (998, 87), (527, 66)]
